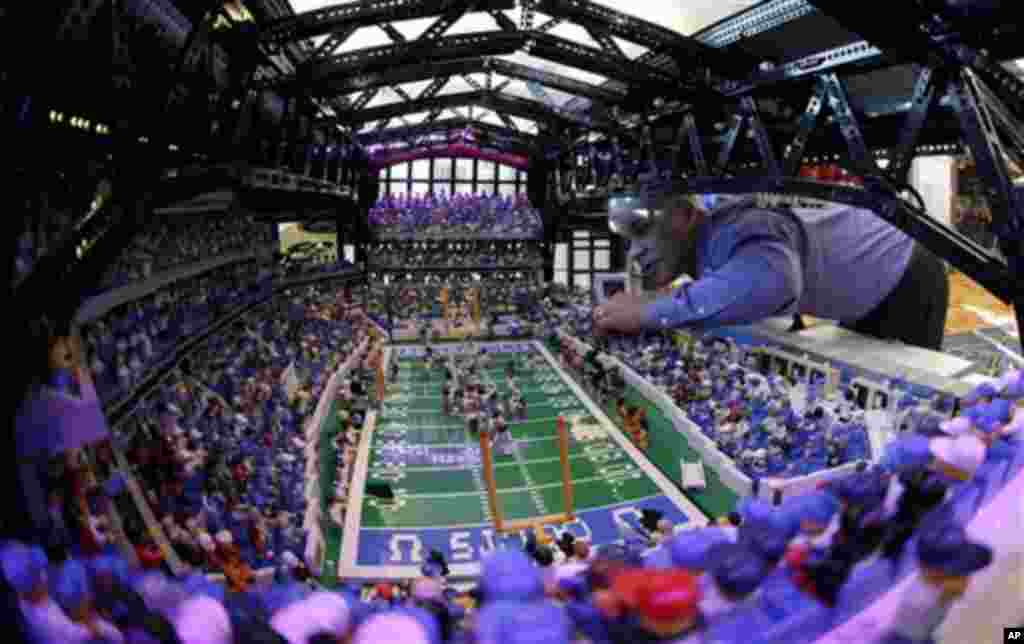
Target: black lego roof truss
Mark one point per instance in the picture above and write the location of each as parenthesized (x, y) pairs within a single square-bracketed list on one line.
[(754, 97), (745, 102), (327, 73)]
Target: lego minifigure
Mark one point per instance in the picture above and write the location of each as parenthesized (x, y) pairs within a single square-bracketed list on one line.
[(946, 559), (666, 605), (735, 573)]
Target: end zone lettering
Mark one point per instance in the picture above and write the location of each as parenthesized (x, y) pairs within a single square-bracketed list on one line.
[(1013, 635)]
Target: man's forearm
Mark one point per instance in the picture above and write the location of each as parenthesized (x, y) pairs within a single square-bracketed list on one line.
[(749, 288)]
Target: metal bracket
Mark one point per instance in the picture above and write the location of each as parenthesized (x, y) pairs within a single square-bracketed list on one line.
[(862, 160), (331, 44), (395, 35), (978, 126), (731, 136), (761, 137), (364, 99), (925, 97), (607, 43), (794, 154), (688, 128)]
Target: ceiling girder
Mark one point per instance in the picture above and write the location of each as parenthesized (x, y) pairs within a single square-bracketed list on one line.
[(456, 9), (607, 43), (496, 43), (556, 81), (364, 99), (405, 133), (382, 59), (331, 44), (511, 105), (652, 36), (436, 85), (402, 93), (503, 21), (424, 71), (362, 13), (572, 54), (394, 34), (549, 25), (509, 123)]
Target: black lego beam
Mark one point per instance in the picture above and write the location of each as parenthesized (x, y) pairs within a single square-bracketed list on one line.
[(900, 32), (598, 61), (499, 102), (753, 21), (383, 60), (423, 71), (654, 37), (363, 13), (388, 57), (860, 55), (501, 137)]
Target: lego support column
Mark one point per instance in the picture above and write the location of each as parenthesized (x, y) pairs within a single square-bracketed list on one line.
[(381, 383), (563, 455), (487, 464)]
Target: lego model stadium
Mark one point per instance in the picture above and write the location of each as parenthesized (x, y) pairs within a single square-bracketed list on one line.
[(515, 322)]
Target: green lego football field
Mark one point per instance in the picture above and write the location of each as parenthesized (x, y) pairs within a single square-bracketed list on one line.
[(431, 460), (431, 463)]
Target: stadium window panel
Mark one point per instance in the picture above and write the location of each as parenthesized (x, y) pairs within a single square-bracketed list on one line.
[(581, 260), (561, 257), (581, 234), (400, 171), (581, 280), (465, 188), (464, 169), (507, 190), (562, 277), (421, 169), (485, 171), (602, 260), (383, 174), (521, 189), (506, 173), (421, 187), (350, 253), (485, 189), (398, 188), (604, 242), (443, 168), (522, 176)]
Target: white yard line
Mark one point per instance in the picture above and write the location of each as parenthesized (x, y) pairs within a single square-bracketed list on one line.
[(525, 488), (667, 487), (384, 424), (353, 518), (466, 526), (456, 445), (470, 466)]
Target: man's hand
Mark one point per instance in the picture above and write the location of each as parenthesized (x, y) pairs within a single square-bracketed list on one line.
[(624, 313)]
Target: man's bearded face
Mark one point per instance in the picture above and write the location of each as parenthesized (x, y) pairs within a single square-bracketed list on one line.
[(666, 249)]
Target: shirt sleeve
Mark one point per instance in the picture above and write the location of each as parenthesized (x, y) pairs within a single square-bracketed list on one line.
[(762, 279)]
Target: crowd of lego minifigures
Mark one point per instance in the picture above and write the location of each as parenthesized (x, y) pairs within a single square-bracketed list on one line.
[(456, 216), (743, 578), (829, 550)]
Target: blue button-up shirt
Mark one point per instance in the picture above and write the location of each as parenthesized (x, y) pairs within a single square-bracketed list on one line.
[(837, 263)]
